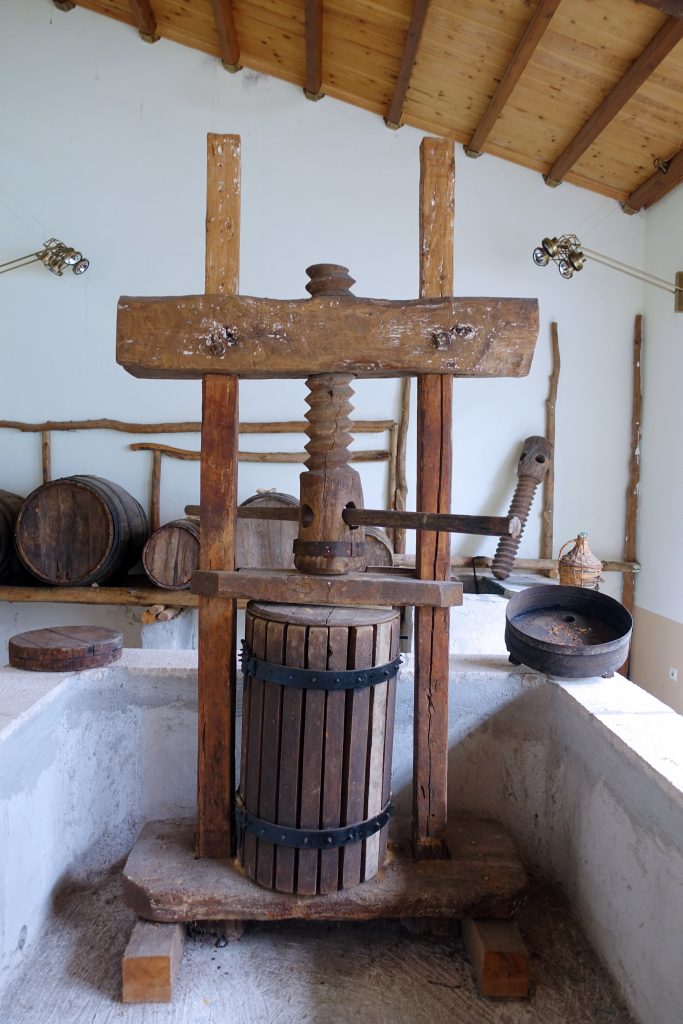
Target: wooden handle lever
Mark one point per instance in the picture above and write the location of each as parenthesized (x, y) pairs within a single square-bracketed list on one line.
[(488, 526)]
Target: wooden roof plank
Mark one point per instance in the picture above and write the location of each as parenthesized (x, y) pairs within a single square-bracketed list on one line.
[(669, 35), (145, 20), (415, 27), (313, 82), (657, 186), (673, 7), (521, 57), (228, 42)]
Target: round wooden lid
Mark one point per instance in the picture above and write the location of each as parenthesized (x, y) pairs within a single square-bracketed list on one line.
[(65, 648), (320, 615)]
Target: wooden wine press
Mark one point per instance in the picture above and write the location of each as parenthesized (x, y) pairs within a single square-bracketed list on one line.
[(329, 340)]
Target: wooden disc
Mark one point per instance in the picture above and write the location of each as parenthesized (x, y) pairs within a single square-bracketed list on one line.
[(65, 648), (320, 615)]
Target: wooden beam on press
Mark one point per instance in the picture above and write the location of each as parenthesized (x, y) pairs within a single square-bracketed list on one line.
[(145, 20), (228, 42), (657, 186), (654, 53), (433, 550), (313, 81), (217, 674), (512, 74), (415, 27)]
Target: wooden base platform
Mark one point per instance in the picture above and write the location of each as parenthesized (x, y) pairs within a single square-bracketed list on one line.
[(163, 881)]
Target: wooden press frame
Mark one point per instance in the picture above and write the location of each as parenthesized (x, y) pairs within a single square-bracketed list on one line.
[(217, 680)]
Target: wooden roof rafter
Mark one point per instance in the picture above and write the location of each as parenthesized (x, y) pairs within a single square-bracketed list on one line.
[(145, 20), (224, 18), (313, 82), (532, 37), (415, 27), (659, 47), (667, 176)]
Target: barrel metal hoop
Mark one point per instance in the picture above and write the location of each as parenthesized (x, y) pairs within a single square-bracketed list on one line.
[(311, 838), (331, 548), (315, 679)]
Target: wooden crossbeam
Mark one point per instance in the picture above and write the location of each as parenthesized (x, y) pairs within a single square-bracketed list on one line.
[(661, 182), (190, 336), (521, 57), (228, 42), (145, 19), (354, 589), (654, 53), (313, 80), (415, 27)]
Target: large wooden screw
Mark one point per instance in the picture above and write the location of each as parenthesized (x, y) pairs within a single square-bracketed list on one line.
[(326, 544), (531, 469)]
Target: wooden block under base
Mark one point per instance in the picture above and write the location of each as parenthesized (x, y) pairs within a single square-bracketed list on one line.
[(151, 961), (499, 958)]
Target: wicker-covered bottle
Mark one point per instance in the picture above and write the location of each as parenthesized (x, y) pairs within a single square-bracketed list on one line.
[(579, 567)]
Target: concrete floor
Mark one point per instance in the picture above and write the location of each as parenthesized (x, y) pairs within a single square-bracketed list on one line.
[(299, 974)]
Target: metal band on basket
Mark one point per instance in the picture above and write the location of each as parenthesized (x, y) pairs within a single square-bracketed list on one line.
[(331, 548), (315, 679), (311, 838)]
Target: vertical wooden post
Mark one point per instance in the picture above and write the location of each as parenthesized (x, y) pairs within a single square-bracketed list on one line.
[(401, 480), (155, 493), (629, 585), (218, 498), (434, 471), (549, 482), (46, 455)]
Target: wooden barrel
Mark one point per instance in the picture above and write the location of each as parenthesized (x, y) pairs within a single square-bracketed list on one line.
[(80, 530), (378, 548), (315, 779), (171, 554), (266, 543), (9, 507)]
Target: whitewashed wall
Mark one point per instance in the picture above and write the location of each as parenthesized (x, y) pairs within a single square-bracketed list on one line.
[(103, 145)]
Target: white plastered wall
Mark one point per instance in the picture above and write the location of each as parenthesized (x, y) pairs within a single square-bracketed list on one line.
[(658, 645), (104, 146)]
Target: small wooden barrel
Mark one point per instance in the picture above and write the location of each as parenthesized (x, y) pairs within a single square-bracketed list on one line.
[(9, 508), (171, 554), (80, 530), (266, 543), (378, 547), (315, 780)]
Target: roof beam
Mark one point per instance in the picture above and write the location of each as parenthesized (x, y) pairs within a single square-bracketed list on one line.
[(521, 57), (661, 182), (417, 20), (654, 53), (224, 18), (145, 19), (313, 81), (674, 7)]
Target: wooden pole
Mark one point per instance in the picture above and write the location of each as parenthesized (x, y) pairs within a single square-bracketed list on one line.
[(549, 482), (155, 495), (434, 459), (46, 455), (629, 585), (218, 491), (401, 477)]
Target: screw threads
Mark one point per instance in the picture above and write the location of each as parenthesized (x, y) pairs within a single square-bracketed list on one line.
[(520, 506), (329, 419)]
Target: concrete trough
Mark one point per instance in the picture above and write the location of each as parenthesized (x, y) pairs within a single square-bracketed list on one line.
[(587, 776)]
